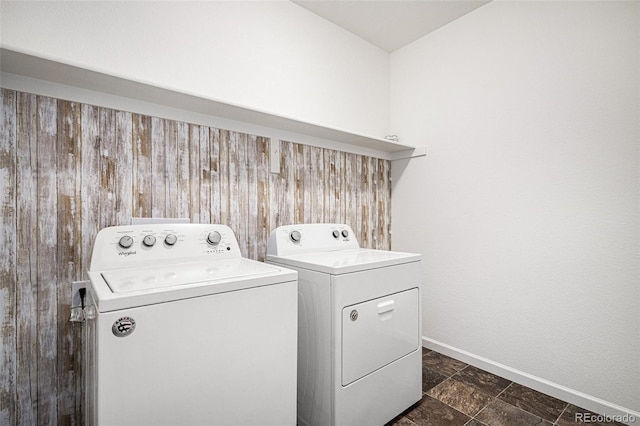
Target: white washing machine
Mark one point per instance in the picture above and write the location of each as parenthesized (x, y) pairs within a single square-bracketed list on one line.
[(187, 332), (359, 325)]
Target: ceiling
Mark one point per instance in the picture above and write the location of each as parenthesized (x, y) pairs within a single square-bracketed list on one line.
[(390, 24)]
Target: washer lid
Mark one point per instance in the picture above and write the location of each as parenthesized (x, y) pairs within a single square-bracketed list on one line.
[(345, 261), (151, 278), (118, 289)]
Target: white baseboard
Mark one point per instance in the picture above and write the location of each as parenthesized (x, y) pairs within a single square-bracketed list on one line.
[(563, 393)]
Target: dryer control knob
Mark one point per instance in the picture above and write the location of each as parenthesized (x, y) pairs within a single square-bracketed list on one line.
[(125, 242), (149, 240), (345, 233), (295, 236), (214, 238), (336, 234), (170, 239)]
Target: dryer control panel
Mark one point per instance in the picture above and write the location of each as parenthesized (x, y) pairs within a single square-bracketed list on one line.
[(129, 246), (305, 238)]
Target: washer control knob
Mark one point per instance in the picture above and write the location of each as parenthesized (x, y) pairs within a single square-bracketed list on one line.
[(295, 236), (125, 242), (214, 238), (345, 233), (149, 240), (170, 239), (336, 234)]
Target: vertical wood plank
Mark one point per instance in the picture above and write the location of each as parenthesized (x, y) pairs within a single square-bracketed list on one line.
[(8, 290), (89, 207), (27, 260), (184, 195), (252, 165), (308, 193), (350, 191), (225, 181), (262, 197), (108, 148), (316, 184), (242, 194), (275, 191), (365, 202), (298, 183), (47, 231), (123, 170), (286, 200), (333, 198), (373, 200), (358, 198), (210, 202), (171, 169), (193, 147), (223, 177), (158, 168), (91, 191), (68, 254), (234, 210), (329, 170), (384, 207), (340, 187), (141, 166)]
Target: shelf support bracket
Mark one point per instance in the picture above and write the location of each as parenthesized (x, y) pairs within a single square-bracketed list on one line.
[(419, 151)]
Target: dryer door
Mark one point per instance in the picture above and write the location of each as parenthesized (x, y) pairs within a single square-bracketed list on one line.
[(377, 332)]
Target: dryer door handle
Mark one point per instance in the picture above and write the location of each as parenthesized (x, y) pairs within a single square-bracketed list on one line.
[(386, 306)]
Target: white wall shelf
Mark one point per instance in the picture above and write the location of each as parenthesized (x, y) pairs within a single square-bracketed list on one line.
[(42, 76)]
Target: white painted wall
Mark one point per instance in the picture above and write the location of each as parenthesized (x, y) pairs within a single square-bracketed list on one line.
[(273, 56), (527, 206)]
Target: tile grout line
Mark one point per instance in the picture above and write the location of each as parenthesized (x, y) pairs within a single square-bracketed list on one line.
[(409, 420), (526, 411), (561, 414), (471, 418), (483, 408), (494, 398), (445, 380), (504, 390)]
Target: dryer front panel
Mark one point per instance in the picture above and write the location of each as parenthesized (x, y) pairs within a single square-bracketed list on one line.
[(377, 332)]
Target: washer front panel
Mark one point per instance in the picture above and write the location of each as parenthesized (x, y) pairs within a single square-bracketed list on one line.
[(195, 361)]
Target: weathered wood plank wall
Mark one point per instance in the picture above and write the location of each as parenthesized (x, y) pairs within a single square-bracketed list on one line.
[(68, 170)]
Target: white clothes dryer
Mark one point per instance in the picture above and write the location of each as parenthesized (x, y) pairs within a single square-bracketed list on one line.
[(359, 325), (185, 331)]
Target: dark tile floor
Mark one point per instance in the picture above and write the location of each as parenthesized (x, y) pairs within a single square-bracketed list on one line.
[(458, 394)]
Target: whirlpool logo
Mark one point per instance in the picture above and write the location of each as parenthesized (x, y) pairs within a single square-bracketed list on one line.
[(123, 326), (353, 315), (126, 253)]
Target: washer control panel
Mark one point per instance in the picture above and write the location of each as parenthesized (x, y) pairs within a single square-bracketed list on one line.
[(304, 238), (160, 244)]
